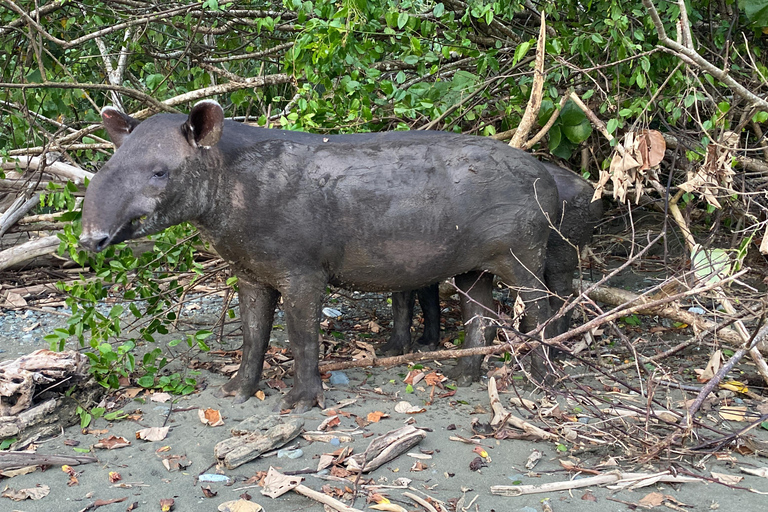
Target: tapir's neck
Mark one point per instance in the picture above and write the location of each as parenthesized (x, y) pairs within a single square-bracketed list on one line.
[(211, 190)]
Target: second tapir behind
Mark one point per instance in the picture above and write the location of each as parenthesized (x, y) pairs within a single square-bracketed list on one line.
[(291, 212), (574, 228)]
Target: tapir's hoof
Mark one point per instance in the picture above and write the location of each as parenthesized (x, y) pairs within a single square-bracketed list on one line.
[(300, 402), (236, 388), (463, 374), (424, 346), (392, 348)]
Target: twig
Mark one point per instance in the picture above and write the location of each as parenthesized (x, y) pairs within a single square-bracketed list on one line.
[(501, 415), (714, 381), (609, 478)]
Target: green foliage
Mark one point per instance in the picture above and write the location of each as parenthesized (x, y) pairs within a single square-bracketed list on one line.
[(756, 11), (88, 415)]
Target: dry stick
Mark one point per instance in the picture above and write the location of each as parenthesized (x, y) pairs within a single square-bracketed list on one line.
[(61, 169), (421, 501), (16, 211), (501, 415), (415, 357), (714, 381), (609, 478), (624, 310), (534, 102), (545, 129)]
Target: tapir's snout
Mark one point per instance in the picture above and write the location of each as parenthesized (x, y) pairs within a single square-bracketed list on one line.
[(96, 241)]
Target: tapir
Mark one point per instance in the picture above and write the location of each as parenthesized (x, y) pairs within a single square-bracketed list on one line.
[(293, 212), (572, 232)]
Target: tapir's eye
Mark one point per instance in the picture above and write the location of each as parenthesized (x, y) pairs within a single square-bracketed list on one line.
[(160, 174)]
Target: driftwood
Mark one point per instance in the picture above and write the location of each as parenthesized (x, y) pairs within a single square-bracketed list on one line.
[(385, 448), (29, 405), (276, 484), (248, 441), (61, 169), (16, 460), (29, 250), (20, 377), (622, 480)]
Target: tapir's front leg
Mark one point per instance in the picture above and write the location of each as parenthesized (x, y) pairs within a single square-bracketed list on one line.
[(257, 311), (302, 301)]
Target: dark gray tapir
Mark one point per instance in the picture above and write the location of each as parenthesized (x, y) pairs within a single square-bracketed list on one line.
[(574, 228), (291, 212)]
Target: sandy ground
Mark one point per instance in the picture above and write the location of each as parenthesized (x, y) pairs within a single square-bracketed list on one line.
[(446, 476)]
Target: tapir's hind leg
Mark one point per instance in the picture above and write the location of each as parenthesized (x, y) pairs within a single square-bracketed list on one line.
[(402, 318), (528, 277), (257, 310), (429, 301), (476, 303)]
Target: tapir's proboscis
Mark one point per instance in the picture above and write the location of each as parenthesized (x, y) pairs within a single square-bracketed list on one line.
[(292, 212)]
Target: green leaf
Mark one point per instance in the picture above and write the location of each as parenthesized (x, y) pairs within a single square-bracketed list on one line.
[(756, 11), (578, 133), (555, 136), (146, 381), (572, 115), (520, 51), (438, 10), (402, 20), (612, 125), (82, 450), (710, 265)]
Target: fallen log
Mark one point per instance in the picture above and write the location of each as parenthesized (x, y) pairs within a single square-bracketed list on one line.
[(28, 251)]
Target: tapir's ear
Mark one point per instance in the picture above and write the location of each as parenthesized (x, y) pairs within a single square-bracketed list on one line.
[(118, 125), (205, 124)]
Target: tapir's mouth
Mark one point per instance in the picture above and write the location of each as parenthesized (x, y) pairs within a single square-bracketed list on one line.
[(131, 229)]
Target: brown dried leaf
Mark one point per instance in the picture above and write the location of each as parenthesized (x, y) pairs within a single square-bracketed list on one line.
[(210, 417), (114, 476), (375, 416), (726, 478), (160, 397), (208, 492), (653, 499), (166, 504), (112, 443), (713, 366), (33, 493), (329, 423), (176, 462), (656, 146)]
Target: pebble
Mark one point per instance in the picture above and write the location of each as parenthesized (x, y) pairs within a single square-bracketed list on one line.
[(339, 379), (290, 454), (213, 477)]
